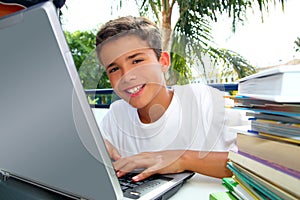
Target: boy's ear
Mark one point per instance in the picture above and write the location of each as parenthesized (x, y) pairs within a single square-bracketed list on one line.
[(164, 60)]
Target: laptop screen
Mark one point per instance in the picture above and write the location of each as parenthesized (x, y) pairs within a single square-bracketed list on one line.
[(48, 133)]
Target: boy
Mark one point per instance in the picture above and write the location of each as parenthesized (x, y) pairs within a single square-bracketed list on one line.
[(153, 127)]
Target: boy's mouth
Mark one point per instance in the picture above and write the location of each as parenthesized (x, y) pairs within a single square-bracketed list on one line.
[(135, 90)]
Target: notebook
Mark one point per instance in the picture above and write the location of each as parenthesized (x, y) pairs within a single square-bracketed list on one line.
[(49, 135)]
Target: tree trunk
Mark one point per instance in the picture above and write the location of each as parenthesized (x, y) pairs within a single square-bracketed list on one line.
[(166, 25)]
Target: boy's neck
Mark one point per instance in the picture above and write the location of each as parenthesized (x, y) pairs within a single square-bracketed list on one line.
[(153, 112)]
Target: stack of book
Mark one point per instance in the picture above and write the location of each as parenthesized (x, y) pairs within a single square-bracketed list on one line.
[(267, 163)]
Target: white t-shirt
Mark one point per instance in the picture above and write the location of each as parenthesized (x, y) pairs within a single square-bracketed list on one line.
[(196, 120)]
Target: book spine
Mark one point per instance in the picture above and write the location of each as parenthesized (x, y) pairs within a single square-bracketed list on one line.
[(276, 166), (287, 182), (273, 150)]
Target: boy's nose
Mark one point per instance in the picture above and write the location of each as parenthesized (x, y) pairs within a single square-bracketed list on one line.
[(128, 76)]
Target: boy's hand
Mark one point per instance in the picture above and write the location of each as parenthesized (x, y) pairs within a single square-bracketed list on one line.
[(162, 162), (113, 152)]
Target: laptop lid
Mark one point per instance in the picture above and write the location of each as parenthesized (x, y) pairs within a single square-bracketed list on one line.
[(49, 135)]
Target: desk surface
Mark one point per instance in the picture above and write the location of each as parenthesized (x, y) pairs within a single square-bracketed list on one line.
[(199, 187)]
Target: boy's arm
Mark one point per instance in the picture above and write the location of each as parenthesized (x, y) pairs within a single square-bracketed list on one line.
[(207, 163), (174, 161)]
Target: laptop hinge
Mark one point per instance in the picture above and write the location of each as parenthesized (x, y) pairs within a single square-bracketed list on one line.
[(4, 175)]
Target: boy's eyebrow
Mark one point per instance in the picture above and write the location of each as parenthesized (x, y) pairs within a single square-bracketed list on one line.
[(134, 55), (128, 58), (110, 65)]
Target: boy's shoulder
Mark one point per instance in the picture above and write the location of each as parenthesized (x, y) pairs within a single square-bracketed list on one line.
[(196, 88), (201, 93), (192, 85)]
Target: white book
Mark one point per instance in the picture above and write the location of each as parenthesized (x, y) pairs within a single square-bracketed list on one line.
[(280, 84)]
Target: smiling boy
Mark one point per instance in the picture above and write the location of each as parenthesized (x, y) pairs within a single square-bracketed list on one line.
[(153, 127)]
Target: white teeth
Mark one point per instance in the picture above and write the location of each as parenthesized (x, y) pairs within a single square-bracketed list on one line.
[(134, 90)]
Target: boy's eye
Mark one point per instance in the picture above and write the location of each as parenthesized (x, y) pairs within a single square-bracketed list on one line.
[(113, 69), (137, 61)]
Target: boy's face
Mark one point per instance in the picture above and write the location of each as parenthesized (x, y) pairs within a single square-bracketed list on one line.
[(134, 71)]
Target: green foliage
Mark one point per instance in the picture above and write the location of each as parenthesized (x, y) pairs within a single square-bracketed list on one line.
[(82, 47), (297, 43), (81, 44), (231, 59), (190, 40), (176, 73), (194, 26), (92, 101), (235, 9)]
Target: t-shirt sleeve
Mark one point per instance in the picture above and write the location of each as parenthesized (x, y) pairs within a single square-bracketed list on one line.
[(217, 120)]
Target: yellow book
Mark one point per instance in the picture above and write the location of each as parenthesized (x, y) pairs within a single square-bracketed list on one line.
[(286, 139)]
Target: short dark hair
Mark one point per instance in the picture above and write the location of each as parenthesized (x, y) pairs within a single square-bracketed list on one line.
[(129, 25)]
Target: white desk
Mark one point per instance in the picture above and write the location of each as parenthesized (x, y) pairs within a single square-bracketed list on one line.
[(199, 187)]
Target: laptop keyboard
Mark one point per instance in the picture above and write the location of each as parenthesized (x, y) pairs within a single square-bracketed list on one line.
[(134, 190)]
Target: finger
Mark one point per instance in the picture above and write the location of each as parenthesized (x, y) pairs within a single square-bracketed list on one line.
[(124, 165), (107, 144), (141, 176), (155, 169), (115, 155), (113, 152), (121, 173)]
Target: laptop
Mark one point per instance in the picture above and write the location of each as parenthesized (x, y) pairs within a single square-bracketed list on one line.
[(49, 135)]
